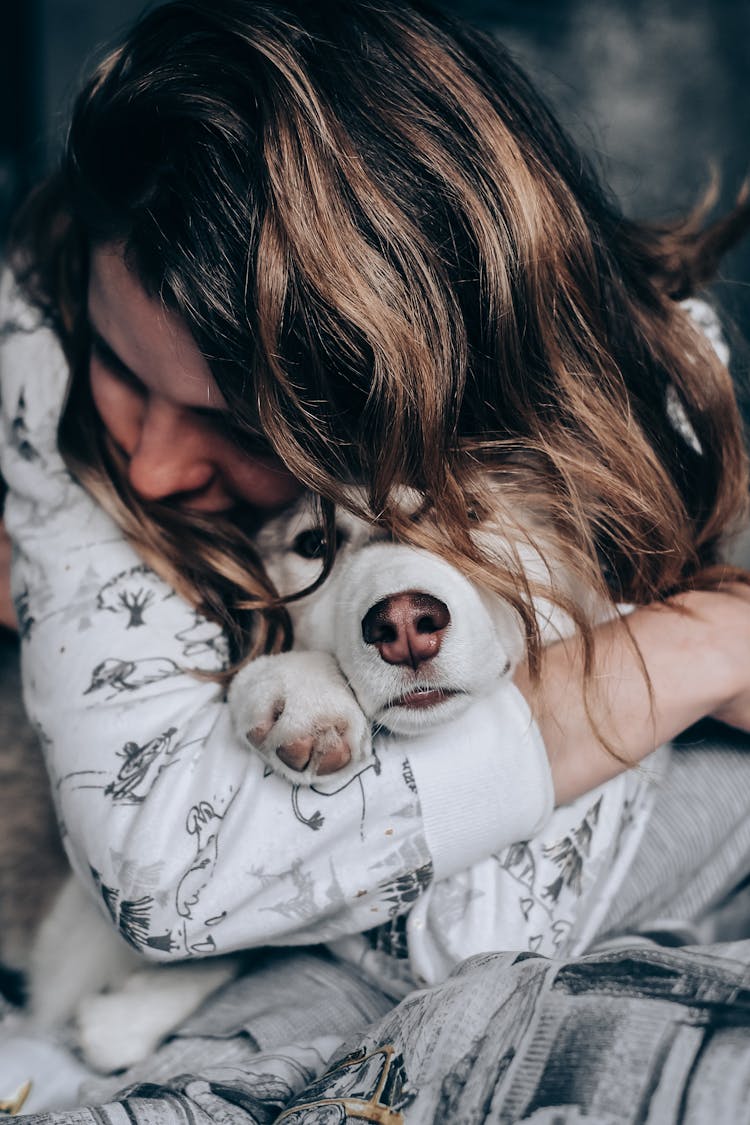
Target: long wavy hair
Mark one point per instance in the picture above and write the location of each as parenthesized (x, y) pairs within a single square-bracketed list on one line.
[(397, 265)]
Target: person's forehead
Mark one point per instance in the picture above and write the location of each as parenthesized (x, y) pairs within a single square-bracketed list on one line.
[(146, 337)]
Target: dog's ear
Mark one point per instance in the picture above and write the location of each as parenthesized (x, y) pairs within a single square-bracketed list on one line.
[(510, 634), (554, 623)]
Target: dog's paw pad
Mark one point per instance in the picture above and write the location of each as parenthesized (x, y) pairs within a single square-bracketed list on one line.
[(297, 754), (321, 754), (336, 756)]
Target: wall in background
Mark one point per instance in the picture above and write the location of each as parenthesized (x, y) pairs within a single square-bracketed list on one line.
[(657, 91)]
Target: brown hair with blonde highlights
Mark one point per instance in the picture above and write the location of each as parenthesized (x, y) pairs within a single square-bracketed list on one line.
[(399, 267)]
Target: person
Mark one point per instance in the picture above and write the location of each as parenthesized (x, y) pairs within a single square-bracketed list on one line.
[(295, 246)]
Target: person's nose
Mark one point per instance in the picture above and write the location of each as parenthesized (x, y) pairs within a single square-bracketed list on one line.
[(171, 454)]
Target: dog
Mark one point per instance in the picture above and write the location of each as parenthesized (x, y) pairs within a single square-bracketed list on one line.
[(394, 638)]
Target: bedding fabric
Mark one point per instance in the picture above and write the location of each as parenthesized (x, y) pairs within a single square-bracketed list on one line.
[(636, 1034), (636, 1031)]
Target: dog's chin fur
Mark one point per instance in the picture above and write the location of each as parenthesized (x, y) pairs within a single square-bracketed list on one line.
[(412, 720)]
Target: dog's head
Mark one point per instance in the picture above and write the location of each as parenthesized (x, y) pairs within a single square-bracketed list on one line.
[(413, 636)]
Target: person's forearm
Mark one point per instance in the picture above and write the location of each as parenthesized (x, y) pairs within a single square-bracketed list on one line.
[(692, 662)]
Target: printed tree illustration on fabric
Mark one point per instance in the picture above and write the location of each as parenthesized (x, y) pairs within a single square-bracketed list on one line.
[(131, 592), (570, 853), (83, 600)]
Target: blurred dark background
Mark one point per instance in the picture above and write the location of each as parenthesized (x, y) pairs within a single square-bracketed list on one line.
[(656, 90)]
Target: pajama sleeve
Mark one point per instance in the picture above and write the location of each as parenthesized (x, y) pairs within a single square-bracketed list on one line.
[(171, 820)]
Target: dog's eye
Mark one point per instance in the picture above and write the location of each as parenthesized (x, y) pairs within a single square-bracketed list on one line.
[(311, 544)]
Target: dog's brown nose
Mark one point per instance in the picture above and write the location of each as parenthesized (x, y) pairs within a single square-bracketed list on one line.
[(406, 628)]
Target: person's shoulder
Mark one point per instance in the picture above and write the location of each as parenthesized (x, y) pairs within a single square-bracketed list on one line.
[(705, 317), (33, 367), (17, 314)]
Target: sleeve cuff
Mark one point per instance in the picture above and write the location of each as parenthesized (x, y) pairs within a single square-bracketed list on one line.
[(483, 780)]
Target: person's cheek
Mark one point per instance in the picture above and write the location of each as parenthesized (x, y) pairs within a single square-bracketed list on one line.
[(119, 407), (263, 482)]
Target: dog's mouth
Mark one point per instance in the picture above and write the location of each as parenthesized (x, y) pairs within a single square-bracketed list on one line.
[(425, 697)]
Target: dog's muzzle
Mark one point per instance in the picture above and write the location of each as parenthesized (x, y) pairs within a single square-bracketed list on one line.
[(414, 637)]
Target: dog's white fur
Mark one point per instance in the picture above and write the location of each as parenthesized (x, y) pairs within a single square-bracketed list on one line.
[(332, 687)]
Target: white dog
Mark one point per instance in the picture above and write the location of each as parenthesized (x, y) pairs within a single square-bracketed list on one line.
[(394, 638)]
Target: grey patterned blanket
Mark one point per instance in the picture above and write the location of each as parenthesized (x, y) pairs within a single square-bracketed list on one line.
[(640, 1030), (636, 1034)]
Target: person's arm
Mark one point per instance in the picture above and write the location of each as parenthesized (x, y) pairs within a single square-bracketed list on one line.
[(551, 893), (192, 848), (698, 662)]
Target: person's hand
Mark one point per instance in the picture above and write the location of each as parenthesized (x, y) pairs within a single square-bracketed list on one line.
[(7, 610)]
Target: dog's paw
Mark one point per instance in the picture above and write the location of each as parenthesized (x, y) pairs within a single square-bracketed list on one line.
[(297, 711), (118, 1029), (110, 1031)]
